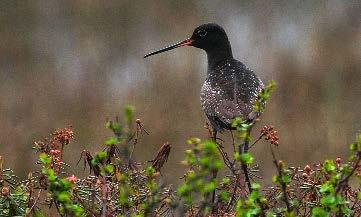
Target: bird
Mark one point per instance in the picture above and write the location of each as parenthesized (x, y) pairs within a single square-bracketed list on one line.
[(230, 88)]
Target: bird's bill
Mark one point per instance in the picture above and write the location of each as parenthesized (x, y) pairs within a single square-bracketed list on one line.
[(186, 42)]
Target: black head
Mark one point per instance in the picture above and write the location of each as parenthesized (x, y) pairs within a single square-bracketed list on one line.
[(208, 37)]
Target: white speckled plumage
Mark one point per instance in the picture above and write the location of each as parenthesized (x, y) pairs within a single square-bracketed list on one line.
[(229, 91)]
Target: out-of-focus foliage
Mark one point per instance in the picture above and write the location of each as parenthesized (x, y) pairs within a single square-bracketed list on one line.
[(116, 185), (75, 62), (120, 186)]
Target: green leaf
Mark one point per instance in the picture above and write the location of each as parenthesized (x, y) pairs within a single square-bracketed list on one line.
[(253, 197), (114, 126), (217, 165), (237, 122), (99, 157), (275, 179), (246, 158), (64, 184), (108, 124), (124, 197), (329, 166), (51, 175), (209, 187), (109, 169), (63, 197), (353, 147), (183, 189), (224, 195), (210, 147), (111, 141), (286, 179), (44, 159), (263, 200), (255, 186), (237, 156), (199, 183), (346, 211), (319, 212), (150, 171), (327, 187), (191, 175), (76, 209), (193, 141), (328, 201), (129, 114), (290, 214), (255, 211), (226, 181), (205, 161)]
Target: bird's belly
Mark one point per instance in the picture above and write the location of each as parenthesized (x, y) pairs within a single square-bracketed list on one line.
[(210, 98), (216, 103)]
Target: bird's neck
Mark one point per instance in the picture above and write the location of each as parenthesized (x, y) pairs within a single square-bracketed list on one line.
[(218, 54)]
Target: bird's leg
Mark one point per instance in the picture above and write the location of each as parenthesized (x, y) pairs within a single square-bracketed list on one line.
[(214, 136), (214, 175)]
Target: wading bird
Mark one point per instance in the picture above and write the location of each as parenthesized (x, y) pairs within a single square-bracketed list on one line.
[(230, 89)]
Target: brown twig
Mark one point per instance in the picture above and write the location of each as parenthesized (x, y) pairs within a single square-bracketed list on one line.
[(346, 178), (257, 140), (233, 197), (90, 211), (233, 142), (57, 208), (283, 185), (162, 157), (243, 165), (104, 192), (33, 205), (226, 160)]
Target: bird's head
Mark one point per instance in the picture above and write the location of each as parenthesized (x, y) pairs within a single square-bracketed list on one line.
[(207, 37)]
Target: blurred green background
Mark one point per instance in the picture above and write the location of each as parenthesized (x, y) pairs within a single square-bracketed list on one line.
[(79, 62)]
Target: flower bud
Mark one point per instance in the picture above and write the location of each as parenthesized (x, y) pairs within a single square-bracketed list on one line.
[(338, 161), (307, 169), (72, 179), (304, 175), (5, 191)]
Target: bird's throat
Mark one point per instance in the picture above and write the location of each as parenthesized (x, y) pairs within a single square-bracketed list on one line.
[(218, 55)]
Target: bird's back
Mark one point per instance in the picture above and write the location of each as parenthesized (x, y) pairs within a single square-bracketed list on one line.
[(229, 91)]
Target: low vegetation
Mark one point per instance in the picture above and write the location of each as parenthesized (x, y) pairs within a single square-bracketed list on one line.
[(117, 185)]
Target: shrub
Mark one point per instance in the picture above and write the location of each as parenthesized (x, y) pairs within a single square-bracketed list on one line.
[(119, 186)]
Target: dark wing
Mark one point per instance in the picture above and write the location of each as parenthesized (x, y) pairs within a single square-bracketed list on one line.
[(240, 88)]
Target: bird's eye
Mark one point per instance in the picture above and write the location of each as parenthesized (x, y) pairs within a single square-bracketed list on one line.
[(202, 33)]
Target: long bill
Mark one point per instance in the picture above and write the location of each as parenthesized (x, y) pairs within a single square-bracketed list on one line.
[(186, 42)]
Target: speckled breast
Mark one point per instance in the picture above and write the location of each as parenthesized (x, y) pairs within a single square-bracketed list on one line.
[(229, 93)]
